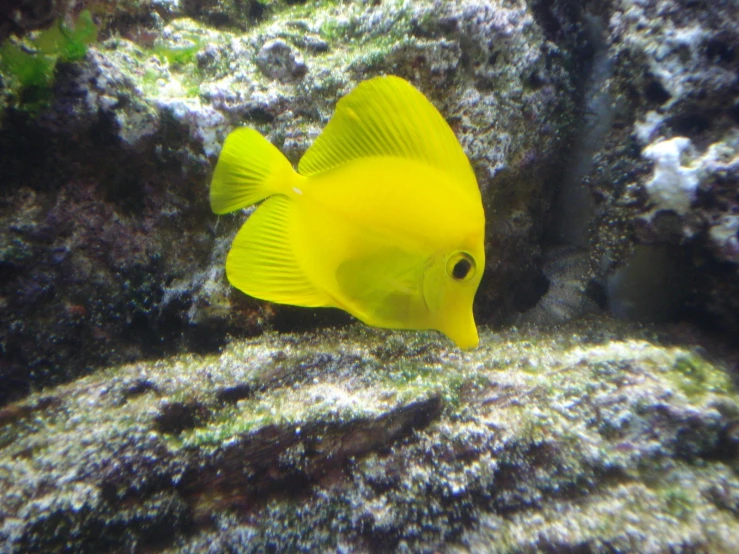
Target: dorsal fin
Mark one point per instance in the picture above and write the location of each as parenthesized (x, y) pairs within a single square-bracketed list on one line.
[(249, 169), (387, 116)]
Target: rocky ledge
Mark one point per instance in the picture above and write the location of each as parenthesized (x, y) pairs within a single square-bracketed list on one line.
[(594, 436)]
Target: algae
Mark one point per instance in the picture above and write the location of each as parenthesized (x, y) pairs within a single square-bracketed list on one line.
[(590, 436), (695, 376), (28, 65), (180, 54), (343, 437)]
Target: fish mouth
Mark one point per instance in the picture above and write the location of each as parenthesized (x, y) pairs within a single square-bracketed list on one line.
[(463, 333)]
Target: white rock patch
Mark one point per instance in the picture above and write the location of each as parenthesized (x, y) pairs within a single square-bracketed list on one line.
[(673, 184)]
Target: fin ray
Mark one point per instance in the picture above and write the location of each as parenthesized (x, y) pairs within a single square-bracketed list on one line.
[(249, 169), (262, 262), (387, 116)]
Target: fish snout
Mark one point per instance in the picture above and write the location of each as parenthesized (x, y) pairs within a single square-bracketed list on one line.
[(462, 332)]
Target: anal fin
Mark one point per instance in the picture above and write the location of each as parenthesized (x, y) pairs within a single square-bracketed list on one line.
[(262, 260)]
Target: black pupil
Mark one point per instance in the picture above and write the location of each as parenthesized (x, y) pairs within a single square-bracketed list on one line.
[(461, 269)]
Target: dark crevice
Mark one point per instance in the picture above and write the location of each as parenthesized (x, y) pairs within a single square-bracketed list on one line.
[(690, 124), (720, 51), (531, 290), (655, 93)]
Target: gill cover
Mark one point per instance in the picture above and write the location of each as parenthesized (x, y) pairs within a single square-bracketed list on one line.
[(449, 287)]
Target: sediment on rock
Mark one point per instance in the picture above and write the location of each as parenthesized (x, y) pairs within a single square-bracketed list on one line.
[(373, 440)]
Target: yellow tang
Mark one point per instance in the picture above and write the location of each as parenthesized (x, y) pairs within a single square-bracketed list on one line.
[(383, 218)]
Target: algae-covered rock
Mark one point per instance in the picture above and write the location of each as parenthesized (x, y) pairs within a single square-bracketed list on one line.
[(594, 436), (664, 174), (608, 128), (109, 249)]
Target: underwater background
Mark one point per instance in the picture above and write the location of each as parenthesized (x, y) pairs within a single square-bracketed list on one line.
[(146, 405)]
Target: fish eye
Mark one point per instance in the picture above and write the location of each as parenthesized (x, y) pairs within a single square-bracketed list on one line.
[(461, 266)]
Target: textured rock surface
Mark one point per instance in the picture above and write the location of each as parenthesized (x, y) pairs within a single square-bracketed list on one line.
[(666, 173), (591, 436), (595, 436), (109, 250)]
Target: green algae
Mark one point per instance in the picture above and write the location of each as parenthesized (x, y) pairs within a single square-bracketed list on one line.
[(678, 501), (532, 394), (28, 65), (181, 54), (696, 376), (25, 69), (68, 44)]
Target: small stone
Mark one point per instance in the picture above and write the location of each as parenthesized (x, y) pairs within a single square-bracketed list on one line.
[(277, 60)]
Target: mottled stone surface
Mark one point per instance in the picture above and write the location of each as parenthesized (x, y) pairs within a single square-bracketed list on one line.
[(666, 172), (593, 436)]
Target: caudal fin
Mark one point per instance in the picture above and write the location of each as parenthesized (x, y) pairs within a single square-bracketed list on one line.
[(249, 169)]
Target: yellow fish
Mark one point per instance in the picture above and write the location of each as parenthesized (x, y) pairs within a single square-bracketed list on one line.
[(383, 218)]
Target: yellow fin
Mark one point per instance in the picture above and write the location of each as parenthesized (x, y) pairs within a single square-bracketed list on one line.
[(387, 116), (249, 169), (262, 261)]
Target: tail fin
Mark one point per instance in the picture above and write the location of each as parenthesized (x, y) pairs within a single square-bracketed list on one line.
[(249, 170)]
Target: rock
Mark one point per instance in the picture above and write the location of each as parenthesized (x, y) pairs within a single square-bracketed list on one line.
[(665, 174), (131, 419), (570, 288), (725, 238), (278, 61), (673, 185), (595, 435)]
